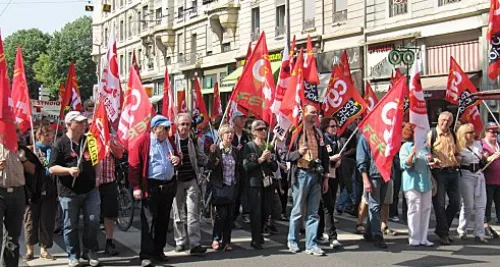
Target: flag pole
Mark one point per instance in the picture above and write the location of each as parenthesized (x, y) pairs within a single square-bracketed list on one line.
[(32, 133), (491, 112), (82, 149), (57, 128), (456, 119), (348, 140)]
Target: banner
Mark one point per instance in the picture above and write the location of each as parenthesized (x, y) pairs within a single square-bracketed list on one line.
[(283, 124), (493, 37), (311, 94)]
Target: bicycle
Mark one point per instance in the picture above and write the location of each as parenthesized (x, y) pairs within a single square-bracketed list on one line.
[(126, 203)]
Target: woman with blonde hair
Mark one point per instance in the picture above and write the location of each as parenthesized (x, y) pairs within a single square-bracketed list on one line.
[(471, 182)]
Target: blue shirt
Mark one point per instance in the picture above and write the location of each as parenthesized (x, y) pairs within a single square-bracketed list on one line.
[(160, 167), (418, 176)]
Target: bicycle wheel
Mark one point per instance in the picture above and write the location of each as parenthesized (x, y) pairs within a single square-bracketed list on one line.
[(125, 209)]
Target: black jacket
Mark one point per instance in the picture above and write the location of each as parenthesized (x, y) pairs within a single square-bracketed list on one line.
[(34, 182), (293, 154), (251, 153), (215, 164)]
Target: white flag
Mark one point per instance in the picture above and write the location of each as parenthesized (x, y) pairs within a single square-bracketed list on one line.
[(418, 109)]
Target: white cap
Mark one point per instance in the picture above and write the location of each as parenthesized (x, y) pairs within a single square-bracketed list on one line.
[(74, 116)]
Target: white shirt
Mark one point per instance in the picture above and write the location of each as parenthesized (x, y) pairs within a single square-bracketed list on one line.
[(472, 157)]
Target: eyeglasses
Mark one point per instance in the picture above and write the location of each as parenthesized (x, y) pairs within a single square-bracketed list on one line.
[(185, 124), (260, 129), (493, 131)]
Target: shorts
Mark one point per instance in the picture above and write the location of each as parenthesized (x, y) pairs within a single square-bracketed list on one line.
[(109, 200), (388, 194)]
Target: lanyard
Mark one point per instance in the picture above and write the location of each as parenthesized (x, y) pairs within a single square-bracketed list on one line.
[(81, 150)]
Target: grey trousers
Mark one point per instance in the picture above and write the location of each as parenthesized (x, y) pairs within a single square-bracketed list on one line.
[(12, 204), (187, 200), (473, 192)]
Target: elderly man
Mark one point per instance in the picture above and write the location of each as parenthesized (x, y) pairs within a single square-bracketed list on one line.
[(442, 144), (152, 177), (70, 161), (188, 194)]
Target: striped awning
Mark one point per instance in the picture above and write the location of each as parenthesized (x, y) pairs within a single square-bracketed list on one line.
[(466, 54)]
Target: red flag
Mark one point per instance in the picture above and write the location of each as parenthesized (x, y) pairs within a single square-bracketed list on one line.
[(294, 95), (345, 67), (382, 128), (71, 99), (20, 96), (293, 50), (168, 107), (110, 90), (255, 88), (249, 52), (136, 66), (284, 78), (200, 113), (98, 137), (8, 136), (342, 100), (217, 105), (61, 91), (493, 36), (397, 75), (136, 113), (473, 116), (181, 102), (370, 97), (310, 68), (459, 88), (418, 109)]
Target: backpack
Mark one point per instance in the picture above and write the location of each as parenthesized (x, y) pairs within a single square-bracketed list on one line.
[(434, 137)]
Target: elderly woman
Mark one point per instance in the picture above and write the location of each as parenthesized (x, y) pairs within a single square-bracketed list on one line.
[(259, 166), (491, 147), (471, 182), (39, 217), (225, 163), (416, 185)]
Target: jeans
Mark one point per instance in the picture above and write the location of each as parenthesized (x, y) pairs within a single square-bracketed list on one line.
[(375, 202), (306, 192), (473, 193), (492, 195), (447, 184), (90, 203)]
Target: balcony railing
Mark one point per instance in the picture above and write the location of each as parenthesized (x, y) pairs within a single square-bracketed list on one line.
[(308, 24), (280, 31), (187, 59), (398, 7), (340, 16), (255, 34), (446, 2)]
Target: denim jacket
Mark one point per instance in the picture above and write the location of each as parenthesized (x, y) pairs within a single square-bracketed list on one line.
[(364, 159)]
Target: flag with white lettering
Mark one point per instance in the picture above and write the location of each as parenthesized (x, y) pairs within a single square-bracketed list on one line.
[(98, 136)]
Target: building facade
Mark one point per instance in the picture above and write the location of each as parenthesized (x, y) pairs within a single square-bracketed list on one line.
[(211, 39)]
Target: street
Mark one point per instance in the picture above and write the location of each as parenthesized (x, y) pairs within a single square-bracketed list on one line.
[(356, 252)]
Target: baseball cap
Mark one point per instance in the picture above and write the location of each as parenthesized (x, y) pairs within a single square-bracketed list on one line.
[(237, 114), (160, 120), (74, 116), (492, 125), (258, 124)]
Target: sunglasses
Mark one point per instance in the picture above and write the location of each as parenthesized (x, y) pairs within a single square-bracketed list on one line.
[(493, 131), (470, 132), (332, 126), (260, 129)]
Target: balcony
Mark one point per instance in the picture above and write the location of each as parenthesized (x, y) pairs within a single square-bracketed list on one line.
[(309, 24), (280, 30), (189, 59), (223, 17), (340, 16), (255, 34), (398, 7), (447, 2)]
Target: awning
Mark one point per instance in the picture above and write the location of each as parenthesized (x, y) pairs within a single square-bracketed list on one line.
[(156, 98), (230, 80), (441, 82)]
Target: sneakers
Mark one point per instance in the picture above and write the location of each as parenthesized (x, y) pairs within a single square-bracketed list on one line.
[(110, 249), (73, 263), (91, 256), (315, 251), (322, 240), (146, 263), (427, 243), (293, 247), (272, 229), (335, 244), (180, 248), (197, 250), (394, 219), (245, 218), (265, 232)]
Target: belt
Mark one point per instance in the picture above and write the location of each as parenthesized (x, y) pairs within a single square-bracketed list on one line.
[(11, 189), (447, 169), (471, 167), (160, 183)]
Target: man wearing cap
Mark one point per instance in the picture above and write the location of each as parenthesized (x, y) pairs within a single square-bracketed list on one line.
[(152, 177), (70, 161), (241, 137)]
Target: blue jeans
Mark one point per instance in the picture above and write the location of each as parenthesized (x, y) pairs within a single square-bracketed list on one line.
[(375, 202), (306, 193), (90, 203)]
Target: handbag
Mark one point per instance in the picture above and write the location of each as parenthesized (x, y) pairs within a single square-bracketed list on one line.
[(223, 195), (267, 180)]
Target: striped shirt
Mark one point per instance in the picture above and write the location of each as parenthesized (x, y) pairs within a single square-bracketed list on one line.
[(105, 171), (185, 171)]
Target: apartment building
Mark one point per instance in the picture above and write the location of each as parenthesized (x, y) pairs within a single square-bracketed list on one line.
[(210, 39)]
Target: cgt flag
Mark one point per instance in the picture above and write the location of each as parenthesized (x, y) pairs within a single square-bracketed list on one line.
[(136, 113), (217, 105), (181, 102), (345, 67), (382, 128), (291, 106), (71, 99), (200, 113), (370, 97), (168, 108), (493, 36), (8, 136), (460, 88), (20, 96), (98, 137), (342, 100), (418, 109)]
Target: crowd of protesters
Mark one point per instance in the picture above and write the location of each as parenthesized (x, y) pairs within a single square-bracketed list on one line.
[(238, 169)]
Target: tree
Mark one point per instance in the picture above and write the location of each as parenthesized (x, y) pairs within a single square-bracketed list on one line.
[(72, 43), (33, 43)]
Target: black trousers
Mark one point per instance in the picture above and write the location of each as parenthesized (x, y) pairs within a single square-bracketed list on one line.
[(396, 177), (284, 196), (155, 217), (39, 221), (326, 210), (347, 169), (223, 223), (492, 195), (260, 209), (447, 184), (12, 204)]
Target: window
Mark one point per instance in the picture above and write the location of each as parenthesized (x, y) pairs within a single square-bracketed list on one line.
[(130, 27), (105, 38), (180, 48), (398, 7), (121, 3), (226, 47), (180, 12), (121, 30), (255, 23), (113, 5), (194, 7), (129, 58), (158, 16), (139, 23), (121, 64), (446, 2), (209, 81), (145, 17), (280, 20), (139, 58), (340, 11), (308, 19), (209, 40)]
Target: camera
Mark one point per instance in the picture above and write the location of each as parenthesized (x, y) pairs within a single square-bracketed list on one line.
[(315, 166)]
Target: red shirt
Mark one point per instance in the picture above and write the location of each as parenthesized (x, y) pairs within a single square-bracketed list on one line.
[(491, 174)]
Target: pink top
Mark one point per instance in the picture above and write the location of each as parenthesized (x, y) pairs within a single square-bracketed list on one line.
[(492, 173)]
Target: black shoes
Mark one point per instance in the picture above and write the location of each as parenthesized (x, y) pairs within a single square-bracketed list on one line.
[(379, 242), (110, 249), (180, 248), (198, 250), (161, 258), (256, 245)]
